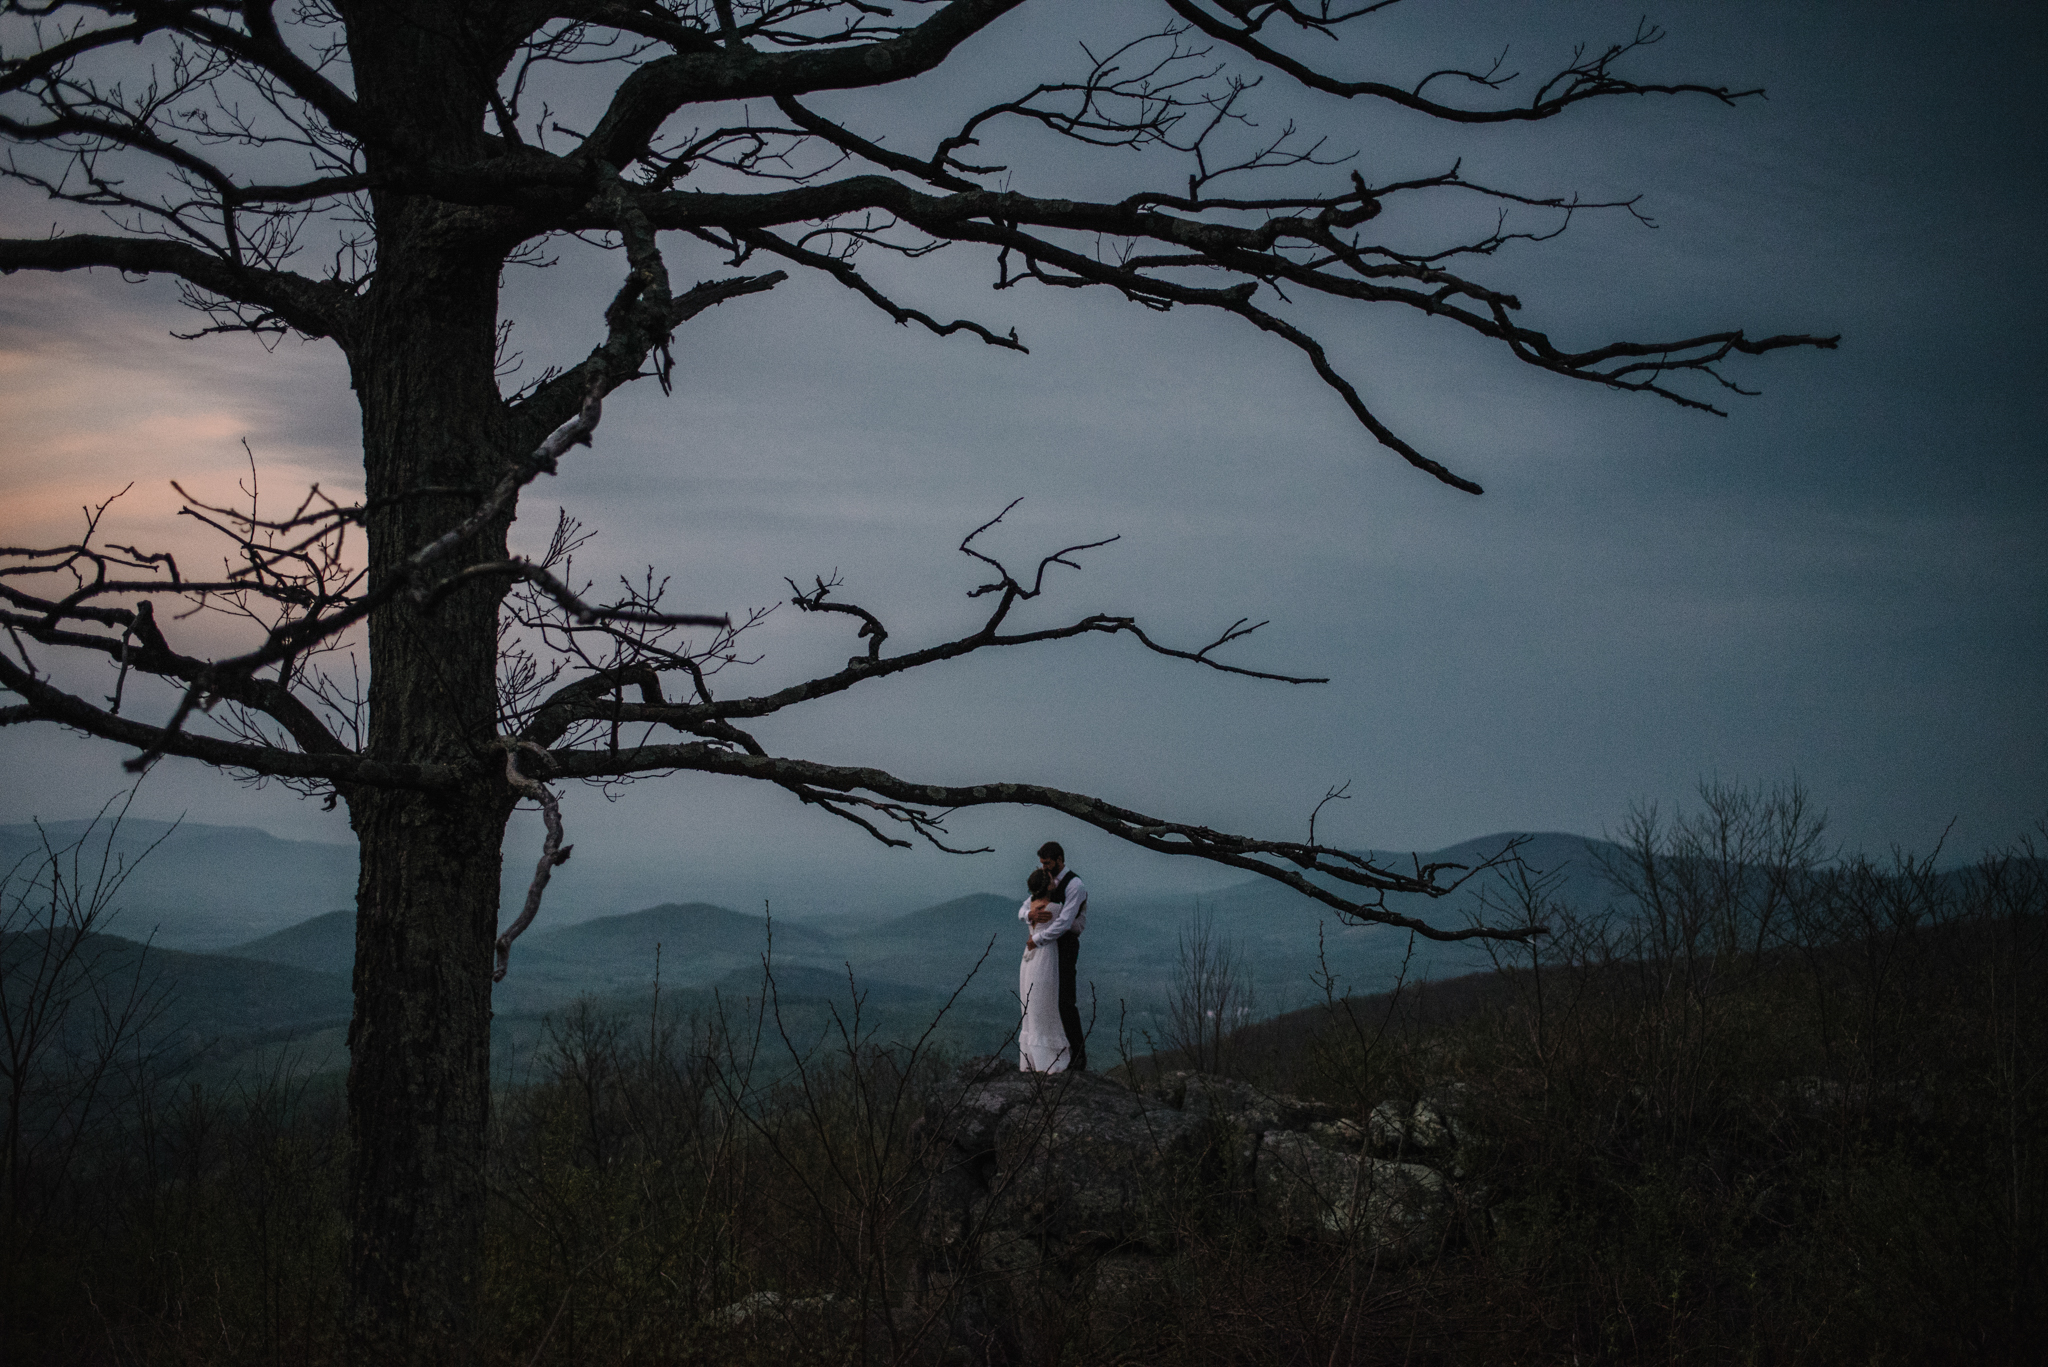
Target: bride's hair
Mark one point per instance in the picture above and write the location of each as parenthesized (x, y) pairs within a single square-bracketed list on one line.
[(1039, 884)]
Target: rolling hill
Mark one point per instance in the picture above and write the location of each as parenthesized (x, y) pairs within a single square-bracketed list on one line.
[(201, 1007), (325, 944), (202, 888), (242, 898)]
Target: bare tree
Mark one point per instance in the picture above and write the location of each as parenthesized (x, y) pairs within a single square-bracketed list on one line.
[(364, 171)]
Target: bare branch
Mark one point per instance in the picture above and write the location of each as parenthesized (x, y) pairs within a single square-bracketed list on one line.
[(1267, 858), (43, 702), (813, 600), (641, 318), (1583, 79), (312, 307), (553, 853), (566, 598), (235, 675), (736, 72), (1270, 254), (840, 269)]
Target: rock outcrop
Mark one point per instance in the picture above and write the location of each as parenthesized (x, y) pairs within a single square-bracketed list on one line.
[(1059, 1189)]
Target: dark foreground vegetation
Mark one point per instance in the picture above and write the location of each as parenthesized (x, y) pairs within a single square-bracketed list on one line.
[(1766, 1107)]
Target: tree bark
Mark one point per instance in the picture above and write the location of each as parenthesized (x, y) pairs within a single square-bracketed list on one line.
[(419, 1090), (435, 439)]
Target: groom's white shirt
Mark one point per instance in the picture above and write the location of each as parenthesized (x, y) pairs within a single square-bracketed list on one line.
[(1073, 913)]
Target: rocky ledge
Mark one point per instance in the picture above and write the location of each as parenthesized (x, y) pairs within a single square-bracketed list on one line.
[(1062, 1184)]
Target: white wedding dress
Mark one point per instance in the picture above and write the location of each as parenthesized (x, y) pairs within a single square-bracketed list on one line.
[(1041, 1040)]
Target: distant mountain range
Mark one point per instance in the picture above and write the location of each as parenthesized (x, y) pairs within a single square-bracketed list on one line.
[(200, 887), (274, 993)]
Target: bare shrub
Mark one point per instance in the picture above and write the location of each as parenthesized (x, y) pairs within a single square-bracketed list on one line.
[(75, 1008), (1211, 998)]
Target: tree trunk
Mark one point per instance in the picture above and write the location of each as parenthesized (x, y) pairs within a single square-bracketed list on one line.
[(419, 1074), (435, 439)]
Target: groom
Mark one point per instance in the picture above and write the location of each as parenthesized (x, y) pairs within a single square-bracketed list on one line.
[(1068, 921)]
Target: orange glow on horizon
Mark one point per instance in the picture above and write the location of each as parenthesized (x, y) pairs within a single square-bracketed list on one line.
[(92, 401)]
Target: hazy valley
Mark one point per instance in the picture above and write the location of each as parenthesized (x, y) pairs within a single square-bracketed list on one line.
[(252, 942)]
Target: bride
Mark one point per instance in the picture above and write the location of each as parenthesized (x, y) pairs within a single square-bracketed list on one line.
[(1041, 1040)]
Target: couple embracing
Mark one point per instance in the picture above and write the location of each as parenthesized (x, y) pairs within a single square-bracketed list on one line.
[(1050, 1039)]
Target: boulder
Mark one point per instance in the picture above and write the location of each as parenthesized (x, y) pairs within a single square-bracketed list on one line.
[(1346, 1134), (1240, 1102), (1237, 1113), (1086, 1162), (1068, 1156), (1042, 1182), (1430, 1129), (1052, 1191), (1400, 1210)]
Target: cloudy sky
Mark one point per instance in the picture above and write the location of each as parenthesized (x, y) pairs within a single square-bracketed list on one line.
[(1846, 580)]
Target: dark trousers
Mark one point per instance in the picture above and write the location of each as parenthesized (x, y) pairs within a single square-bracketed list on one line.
[(1070, 1014)]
